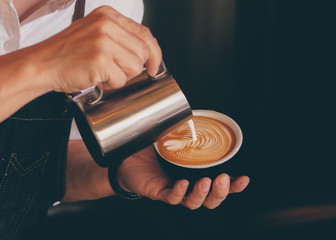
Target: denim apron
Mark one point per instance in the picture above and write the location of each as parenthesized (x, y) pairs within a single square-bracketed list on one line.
[(33, 150)]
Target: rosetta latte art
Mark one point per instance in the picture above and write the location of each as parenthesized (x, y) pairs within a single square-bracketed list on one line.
[(214, 141)]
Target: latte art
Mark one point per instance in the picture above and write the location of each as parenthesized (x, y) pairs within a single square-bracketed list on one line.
[(214, 140)]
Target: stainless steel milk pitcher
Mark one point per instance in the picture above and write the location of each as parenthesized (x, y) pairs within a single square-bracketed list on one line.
[(116, 124)]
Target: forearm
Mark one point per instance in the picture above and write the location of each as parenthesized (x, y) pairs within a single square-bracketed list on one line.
[(104, 49), (85, 180), (20, 81)]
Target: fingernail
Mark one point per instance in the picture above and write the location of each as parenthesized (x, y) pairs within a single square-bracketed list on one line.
[(244, 184), (184, 184), (153, 72), (205, 186), (222, 181)]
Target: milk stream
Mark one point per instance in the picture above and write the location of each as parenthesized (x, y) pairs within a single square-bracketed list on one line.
[(192, 128)]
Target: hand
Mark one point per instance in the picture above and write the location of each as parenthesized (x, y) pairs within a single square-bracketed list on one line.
[(104, 49), (142, 174)]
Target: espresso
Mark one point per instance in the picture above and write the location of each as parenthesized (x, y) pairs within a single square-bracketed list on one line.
[(214, 140)]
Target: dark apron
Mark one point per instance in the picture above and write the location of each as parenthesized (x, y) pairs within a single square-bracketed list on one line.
[(33, 150)]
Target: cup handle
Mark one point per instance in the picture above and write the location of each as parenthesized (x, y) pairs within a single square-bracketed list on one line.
[(98, 94)]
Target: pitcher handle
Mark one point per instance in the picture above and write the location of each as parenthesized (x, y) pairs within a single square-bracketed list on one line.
[(98, 94)]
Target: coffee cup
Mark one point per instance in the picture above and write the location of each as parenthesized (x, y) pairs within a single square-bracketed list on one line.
[(219, 138)]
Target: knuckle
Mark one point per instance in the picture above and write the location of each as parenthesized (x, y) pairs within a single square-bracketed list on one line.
[(128, 23), (135, 69), (99, 42), (144, 52), (103, 24), (145, 32), (153, 194), (98, 59), (156, 43), (220, 195), (102, 10), (94, 79)]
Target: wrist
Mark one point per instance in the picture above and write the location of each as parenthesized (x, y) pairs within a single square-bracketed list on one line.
[(19, 77), (32, 73), (38, 82), (85, 180), (42, 69)]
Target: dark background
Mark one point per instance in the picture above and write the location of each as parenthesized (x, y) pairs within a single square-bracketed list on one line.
[(269, 64)]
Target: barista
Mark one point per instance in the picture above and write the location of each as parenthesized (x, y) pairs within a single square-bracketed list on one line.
[(38, 163)]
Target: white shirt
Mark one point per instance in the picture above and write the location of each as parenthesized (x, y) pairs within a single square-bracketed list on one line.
[(52, 18)]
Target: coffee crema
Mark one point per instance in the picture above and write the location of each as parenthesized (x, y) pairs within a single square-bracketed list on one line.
[(214, 140)]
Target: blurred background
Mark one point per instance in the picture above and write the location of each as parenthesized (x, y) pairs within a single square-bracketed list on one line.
[(269, 64)]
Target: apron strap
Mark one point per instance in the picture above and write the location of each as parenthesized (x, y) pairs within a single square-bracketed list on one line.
[(79, 10)]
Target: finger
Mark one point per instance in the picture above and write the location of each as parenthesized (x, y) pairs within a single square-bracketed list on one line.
[(114, 79), (117, 67), (127, 40), (128, 62), (220, 190), (239, 184), (154, 59), (142, 32), (196, 198), (175, 195)]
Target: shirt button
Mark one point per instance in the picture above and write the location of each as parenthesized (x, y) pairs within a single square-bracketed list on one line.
[(10, 45)]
